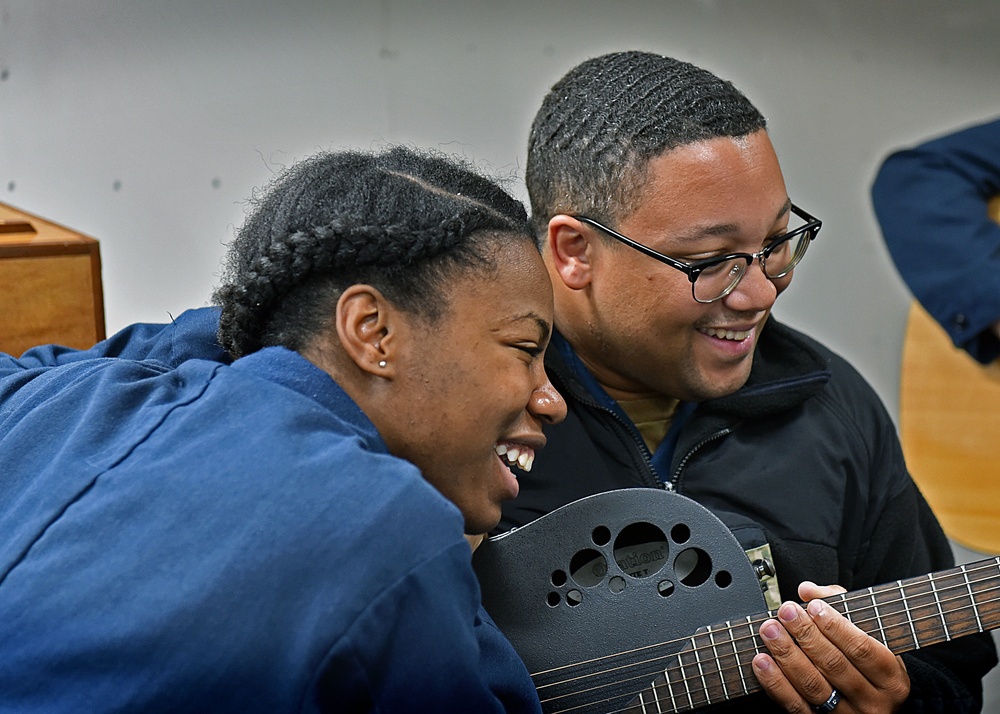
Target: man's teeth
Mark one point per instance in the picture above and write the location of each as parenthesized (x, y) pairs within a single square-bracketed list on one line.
[(728, 334), (524, 456)]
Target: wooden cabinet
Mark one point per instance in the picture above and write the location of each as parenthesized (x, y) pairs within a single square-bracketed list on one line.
[(50, 284)]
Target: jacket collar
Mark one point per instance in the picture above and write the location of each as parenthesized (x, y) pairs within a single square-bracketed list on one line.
[(786, 371)]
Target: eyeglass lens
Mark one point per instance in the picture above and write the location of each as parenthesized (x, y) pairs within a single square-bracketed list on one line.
[(718, 280)]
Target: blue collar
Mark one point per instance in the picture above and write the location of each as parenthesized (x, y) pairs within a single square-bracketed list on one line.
[(293, 371)]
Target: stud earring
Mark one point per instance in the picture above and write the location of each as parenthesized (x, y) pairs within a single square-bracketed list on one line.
[(382, 364)]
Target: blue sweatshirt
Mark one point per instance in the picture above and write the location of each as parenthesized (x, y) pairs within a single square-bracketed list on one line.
[(185, 535)]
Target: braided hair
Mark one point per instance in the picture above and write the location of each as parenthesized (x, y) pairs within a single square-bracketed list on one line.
[(600, 125), (400, 220)]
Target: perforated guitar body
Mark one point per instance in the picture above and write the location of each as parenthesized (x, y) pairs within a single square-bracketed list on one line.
[(606, 581)]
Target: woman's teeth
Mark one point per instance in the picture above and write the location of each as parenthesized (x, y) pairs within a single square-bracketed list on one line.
[(523, 456)]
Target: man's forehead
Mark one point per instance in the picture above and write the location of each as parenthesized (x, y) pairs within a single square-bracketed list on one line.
[(716, 172)]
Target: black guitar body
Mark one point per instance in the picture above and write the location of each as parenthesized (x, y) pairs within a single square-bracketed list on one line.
[(599, 596)]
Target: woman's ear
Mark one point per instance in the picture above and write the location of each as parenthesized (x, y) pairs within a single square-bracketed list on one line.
[(570, 250), (366, 329)]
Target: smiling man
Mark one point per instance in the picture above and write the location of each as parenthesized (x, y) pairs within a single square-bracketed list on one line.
[(668, 233)]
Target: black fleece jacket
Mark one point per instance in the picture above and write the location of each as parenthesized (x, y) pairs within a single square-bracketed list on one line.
[(803, 457)]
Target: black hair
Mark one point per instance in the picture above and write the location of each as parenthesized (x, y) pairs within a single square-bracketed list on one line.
[(600, 125), (400, 220)]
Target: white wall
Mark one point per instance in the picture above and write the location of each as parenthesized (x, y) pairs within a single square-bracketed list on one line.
[(147, 124)]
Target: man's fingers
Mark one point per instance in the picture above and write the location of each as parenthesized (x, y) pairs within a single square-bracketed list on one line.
[(812, 664), (880, 667), (815, 650), (810, 591)]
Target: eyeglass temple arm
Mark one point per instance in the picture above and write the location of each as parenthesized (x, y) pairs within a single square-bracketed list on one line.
[(691, 272)]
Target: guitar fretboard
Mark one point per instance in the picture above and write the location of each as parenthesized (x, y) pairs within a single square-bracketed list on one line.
[(714, 664)]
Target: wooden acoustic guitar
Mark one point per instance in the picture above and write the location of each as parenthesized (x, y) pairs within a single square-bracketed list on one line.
[(603, 599), (949, 423)]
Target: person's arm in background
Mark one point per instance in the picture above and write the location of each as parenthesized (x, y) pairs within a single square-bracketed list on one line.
[(931, 202), (192, 335)]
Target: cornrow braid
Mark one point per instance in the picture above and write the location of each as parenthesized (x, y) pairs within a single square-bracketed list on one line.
[(599, 126), (400, 220)]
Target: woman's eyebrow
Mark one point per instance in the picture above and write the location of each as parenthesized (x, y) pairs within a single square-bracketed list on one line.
[(544, 327)]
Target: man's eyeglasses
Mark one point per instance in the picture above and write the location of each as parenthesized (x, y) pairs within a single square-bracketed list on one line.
[(714, 278)]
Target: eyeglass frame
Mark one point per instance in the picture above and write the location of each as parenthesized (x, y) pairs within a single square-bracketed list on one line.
[(693, 270)]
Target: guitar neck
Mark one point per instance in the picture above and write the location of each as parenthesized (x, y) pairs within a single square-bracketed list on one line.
[(714, 665)]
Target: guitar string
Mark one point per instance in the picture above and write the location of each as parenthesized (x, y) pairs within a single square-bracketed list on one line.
[(847, 599), (720, 672), (664, 693)]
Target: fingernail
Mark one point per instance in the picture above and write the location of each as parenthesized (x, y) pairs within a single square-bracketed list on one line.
[(818, 608), (770, 630), (762, 663), (788, 612)]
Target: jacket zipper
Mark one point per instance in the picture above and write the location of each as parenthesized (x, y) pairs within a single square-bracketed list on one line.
[(648, 474), (675, 479)]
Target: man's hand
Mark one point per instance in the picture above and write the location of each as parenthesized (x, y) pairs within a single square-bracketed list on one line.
[(814, 650)]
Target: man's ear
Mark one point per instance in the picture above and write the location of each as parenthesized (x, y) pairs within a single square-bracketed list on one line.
[(366, 329), (571, 251)]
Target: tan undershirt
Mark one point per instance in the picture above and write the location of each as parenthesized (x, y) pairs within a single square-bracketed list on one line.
[(652, 417)]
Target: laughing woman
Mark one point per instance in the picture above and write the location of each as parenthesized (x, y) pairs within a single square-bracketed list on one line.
[(279, 528)]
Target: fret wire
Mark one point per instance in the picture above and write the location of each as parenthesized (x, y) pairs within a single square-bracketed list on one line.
[(753, 646), (725, 689), (972, 597), (847, 609), (878, 615), (937, 600), (684, 680), (906, 608), (656, 698), (736, 655), (701, 671), (670, 687)]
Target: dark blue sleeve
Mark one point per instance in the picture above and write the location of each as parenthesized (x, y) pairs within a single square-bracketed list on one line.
[(930, 202), (192, 335), (507, 676), (426, 647)]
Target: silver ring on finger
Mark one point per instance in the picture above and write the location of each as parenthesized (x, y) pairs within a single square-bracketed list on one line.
[(829, 705)]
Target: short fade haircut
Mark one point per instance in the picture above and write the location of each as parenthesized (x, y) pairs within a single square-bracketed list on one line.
[(600, 125)]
